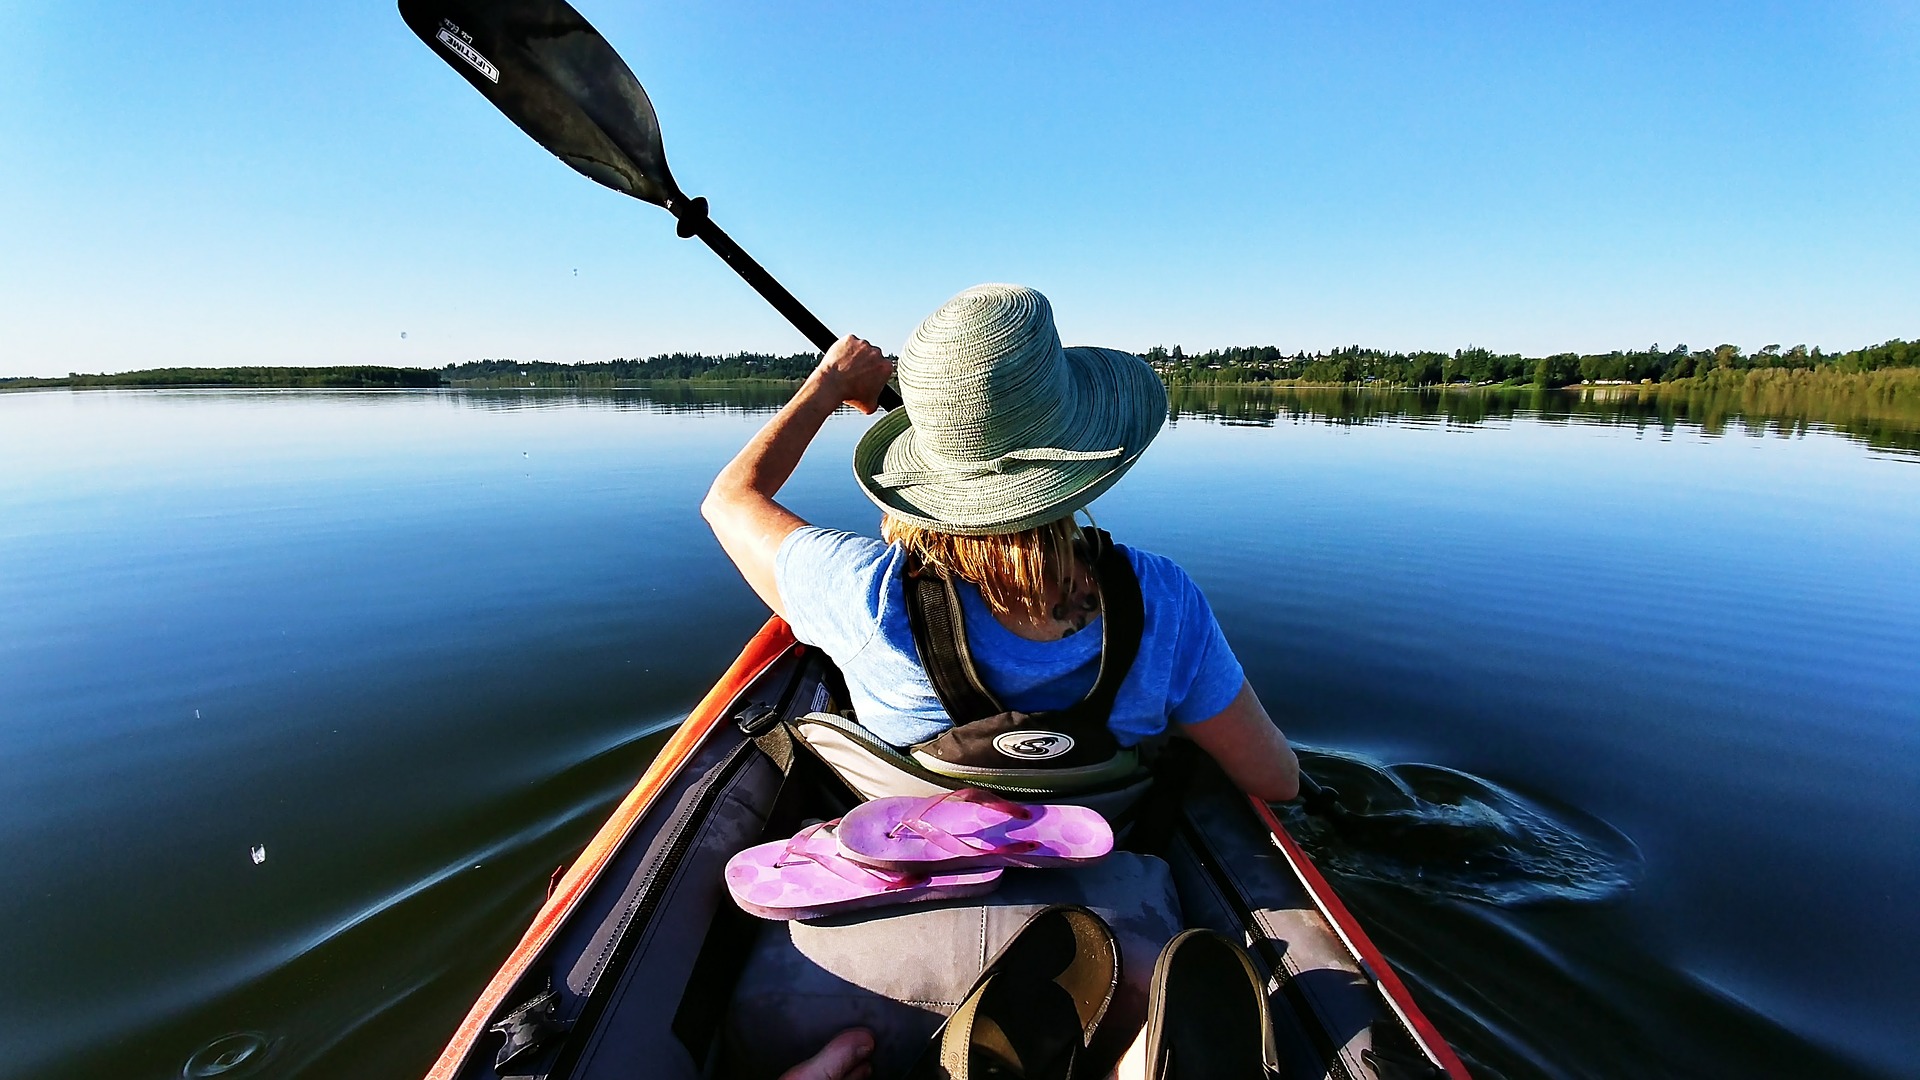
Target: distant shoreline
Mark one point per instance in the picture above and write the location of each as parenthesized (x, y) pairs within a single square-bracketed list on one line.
[(1899, 380), (1879, 408), (96, 383), (341, 377)]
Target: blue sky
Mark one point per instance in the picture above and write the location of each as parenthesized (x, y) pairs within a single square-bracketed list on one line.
[(224, 183)]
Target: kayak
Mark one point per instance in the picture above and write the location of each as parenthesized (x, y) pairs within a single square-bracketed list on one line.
[(639, 964)]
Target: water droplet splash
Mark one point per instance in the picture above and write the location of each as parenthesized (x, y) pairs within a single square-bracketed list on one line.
[(239, 1054), (1441, 832)]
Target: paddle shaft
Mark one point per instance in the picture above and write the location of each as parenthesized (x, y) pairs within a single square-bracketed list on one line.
[(1318, 800), (694, 222), (763, 283)]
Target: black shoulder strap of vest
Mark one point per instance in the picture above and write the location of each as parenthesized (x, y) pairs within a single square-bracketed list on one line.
[(1123, 619), (940, 635)]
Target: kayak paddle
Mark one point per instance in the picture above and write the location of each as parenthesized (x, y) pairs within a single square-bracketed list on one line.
[(1323, 801), (541, 63)]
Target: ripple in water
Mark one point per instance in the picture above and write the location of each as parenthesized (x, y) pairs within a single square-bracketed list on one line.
[(240, 1054), (1441, 832)]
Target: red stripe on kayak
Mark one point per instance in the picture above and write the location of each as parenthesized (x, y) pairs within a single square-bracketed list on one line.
[(773, 640), (1362, 946)]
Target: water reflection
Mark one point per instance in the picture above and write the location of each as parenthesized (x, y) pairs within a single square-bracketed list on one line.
[(721, 398), (1889, 425)]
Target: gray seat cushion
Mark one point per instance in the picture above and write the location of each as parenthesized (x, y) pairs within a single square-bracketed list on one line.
[(900, 971)]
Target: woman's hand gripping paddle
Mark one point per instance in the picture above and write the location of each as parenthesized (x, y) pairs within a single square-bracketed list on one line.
[(1324, 801), (552, 73)]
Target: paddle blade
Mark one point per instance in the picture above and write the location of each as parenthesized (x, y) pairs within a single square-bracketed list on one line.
[(552, 73)]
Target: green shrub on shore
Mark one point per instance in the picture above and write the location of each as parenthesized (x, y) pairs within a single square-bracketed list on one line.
[(1864, 385), (1890, 395)]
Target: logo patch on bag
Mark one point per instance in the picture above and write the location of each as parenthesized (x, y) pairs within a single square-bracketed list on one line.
[(1033, 745)]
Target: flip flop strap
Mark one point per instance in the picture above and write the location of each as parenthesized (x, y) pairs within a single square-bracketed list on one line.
[(915, 821), (973, 795), (845, 869)]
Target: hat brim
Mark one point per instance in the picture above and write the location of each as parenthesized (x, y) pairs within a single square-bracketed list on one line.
[(1114, 401)]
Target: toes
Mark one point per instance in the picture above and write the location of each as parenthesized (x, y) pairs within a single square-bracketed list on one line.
[(843, 1058)]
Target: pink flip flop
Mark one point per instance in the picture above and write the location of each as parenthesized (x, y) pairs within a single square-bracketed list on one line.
[(807, 877), (970, 829)]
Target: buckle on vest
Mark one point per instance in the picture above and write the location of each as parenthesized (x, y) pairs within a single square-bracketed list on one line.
[(756, 719)]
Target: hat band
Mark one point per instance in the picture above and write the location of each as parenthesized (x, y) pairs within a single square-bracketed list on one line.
[(1011, 461)]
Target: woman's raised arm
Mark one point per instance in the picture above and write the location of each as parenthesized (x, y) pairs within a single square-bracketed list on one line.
[(739, 506)]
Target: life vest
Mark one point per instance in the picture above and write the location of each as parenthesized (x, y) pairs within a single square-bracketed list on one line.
[(990, 743), (1030, 756)]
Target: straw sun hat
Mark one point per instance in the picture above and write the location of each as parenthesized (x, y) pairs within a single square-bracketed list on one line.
[(1003, 429)]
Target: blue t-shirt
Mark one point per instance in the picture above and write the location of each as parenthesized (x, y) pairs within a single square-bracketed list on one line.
[(843, 594)]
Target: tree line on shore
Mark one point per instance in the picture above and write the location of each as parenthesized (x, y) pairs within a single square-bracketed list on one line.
[(607, 374), (1879, 408), (1356, 364), (1255, 364), (344, 376)]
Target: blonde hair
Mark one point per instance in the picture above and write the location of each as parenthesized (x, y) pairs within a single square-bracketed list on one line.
[(1030, 571)]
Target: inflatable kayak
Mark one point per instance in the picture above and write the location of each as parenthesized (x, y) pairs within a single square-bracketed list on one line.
[(639, 964)]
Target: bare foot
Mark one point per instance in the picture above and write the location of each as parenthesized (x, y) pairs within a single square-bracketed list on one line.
[(843, 1058)]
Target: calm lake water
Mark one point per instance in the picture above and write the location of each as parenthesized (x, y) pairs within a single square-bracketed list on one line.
[(304, 695)]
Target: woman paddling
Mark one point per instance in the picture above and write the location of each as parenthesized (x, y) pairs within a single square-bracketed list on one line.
[(1003, 438)]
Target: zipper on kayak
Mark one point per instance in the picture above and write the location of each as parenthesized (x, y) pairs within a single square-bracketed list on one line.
[(640, 909), (528, 1038), (646, 899)]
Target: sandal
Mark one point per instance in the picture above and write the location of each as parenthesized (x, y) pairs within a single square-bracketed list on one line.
[(807, 877), (1032, 1013), (1207, 1013), (970, 828)]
